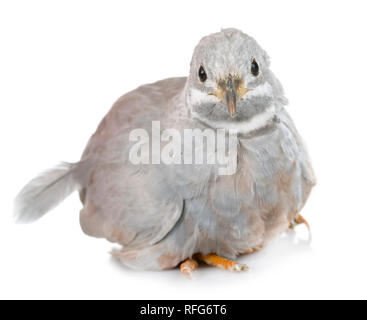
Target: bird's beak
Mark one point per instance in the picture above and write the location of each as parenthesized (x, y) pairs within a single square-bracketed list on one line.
[(230, 90), (230, 97)]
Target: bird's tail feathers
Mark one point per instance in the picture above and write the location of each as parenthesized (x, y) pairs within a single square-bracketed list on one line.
[(47, 190)]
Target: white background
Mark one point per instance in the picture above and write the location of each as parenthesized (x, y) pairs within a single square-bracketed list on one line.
[(63, 64)]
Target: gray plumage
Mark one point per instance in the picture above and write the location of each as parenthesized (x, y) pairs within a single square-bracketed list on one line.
[(162, 214)]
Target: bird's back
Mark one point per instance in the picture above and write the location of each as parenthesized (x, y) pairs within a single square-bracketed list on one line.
[(134, 110)]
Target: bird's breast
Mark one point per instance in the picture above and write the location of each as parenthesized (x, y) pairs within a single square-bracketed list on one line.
[(251, 206)]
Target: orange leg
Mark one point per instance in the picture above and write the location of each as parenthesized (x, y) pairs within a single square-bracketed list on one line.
[(188, 266), (216, 261), (300, 220)]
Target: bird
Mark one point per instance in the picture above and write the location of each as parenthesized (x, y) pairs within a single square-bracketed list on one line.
[(180, 215)]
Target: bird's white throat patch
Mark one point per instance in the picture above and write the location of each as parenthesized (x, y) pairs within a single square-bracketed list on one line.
[(257, 122)]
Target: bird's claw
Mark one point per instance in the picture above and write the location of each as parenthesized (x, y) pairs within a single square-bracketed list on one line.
[(239, 268)]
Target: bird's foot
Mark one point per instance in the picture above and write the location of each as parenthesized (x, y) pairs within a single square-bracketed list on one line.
[(188, 266), (299, 220), (223, 263)]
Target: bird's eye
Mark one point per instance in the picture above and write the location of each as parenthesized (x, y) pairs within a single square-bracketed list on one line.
[(254, 68), (202, 74)]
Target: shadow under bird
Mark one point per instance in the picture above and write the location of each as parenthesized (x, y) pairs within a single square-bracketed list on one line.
[(165, 216)]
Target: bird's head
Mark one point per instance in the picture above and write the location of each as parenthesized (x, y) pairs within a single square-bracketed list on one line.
[(230, 82)]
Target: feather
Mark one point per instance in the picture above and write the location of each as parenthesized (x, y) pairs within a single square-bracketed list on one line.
[(45, 192)]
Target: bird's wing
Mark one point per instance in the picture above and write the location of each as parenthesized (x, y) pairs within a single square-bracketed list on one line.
[(126, 203), (305, 162), (131, 207)]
